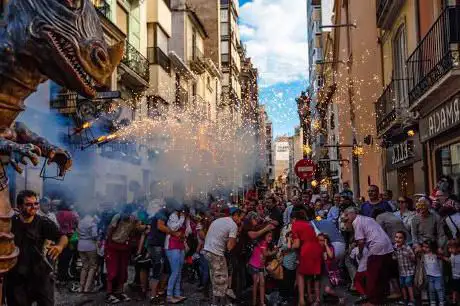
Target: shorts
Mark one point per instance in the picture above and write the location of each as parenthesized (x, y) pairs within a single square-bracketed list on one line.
[(455, 284), (253, 270), (158, 262), (406, 281)]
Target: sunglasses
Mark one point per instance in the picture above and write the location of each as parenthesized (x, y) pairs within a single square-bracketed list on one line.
[(34, 204), (401, 201)]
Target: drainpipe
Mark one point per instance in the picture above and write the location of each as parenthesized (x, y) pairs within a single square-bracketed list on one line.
[(355, 159), (417, 20), (425, 146)]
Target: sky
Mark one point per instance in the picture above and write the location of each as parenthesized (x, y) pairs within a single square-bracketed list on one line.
[(275, 35)]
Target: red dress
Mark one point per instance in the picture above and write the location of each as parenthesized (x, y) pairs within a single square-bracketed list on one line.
[(311, 252)]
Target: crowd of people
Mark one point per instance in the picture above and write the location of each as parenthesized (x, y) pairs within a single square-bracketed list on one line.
[(274, 248)]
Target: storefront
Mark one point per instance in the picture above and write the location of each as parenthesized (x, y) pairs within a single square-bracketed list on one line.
[(404, 166), (440, 129)]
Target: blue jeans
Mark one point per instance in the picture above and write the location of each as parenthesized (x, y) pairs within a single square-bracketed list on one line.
[(436, 286), (204, 270), (176, 262)]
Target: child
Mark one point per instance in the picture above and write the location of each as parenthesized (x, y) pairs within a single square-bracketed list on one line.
[(433, 269), (453, 246), (360, 276), (406, 264), (329, 265), (257, 267), (287, 287)]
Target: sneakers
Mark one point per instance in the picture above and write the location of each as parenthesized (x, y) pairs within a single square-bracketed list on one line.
[(112, 299), (231, 294), (123, 297), (157, 300)]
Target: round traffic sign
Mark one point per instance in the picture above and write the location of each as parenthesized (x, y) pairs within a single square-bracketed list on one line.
[(305, 169)]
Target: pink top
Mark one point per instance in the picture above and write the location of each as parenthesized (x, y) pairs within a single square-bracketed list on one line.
[(257, 258)]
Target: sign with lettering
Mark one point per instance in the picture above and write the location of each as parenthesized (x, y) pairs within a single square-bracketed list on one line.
[(440, 119), (305, 169), (403, 153)]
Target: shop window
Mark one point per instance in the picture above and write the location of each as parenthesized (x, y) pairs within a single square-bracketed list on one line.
[(448, 161)]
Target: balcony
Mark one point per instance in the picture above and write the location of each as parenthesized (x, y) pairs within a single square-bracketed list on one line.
[(198, 61), (136, 66), (102, 7), (156, 56), (389, 106), (387, 12), (433, 68)]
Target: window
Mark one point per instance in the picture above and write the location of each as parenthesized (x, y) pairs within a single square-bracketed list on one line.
[(122, 18), (448, 160), (224, 16), (162, 39), (399, 66), (224, 29)]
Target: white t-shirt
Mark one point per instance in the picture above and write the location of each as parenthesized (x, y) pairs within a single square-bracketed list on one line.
[(362, 266), (455, 263), (218, 234), (432, 265), (374, 236)]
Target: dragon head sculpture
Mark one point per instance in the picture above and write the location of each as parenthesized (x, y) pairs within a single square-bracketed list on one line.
[(64, 39)]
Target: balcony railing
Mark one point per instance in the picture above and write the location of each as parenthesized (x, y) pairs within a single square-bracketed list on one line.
[(156, 56), (435, 55), (103, 7), (389, 104), (197, 62), (136, 61)]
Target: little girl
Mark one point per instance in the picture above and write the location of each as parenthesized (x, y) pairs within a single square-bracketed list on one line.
[(329, 265), (257, 267), (433, 269)]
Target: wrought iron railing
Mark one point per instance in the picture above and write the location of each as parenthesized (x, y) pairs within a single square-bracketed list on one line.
[(435, 55), (197, 54), (136, 61), (156, 56), (389, 104), (103, 7)]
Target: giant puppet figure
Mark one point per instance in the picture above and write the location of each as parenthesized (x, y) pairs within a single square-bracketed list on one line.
[(61, 40)]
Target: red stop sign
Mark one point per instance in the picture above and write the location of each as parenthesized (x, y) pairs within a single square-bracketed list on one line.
[(305, 169)]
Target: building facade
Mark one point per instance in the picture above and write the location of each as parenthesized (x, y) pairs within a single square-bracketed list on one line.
[(345, 101), (396, 126), (433, 90), (172, 62)]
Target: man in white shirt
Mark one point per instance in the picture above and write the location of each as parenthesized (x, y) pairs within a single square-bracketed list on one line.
[(221, 237), (368, 233)]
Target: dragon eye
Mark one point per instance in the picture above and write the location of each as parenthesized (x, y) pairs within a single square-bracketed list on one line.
[(73, 4)]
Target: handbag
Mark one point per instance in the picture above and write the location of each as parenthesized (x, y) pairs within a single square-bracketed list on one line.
[(420, 276), (275, 268)]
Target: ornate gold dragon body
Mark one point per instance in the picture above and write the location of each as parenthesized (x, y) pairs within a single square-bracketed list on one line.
[(61, 40)]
